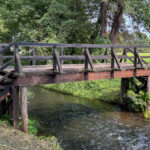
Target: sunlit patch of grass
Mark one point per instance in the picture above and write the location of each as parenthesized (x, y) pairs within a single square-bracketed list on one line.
[(141, 54), (105, 90)]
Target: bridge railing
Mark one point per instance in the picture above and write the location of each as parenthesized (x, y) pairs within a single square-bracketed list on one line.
[(113, 54)]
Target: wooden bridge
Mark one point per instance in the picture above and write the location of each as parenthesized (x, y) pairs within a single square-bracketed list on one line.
[(66, 63)]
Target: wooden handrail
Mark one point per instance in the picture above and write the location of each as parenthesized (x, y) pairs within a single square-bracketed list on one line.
[(87, 57)]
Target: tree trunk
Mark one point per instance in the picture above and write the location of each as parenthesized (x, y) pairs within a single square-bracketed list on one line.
[(103, 12), (116, 24), (101, 25)]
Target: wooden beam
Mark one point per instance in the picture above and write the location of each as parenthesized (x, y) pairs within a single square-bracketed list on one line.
[(106, 53), (15, 95), (5, 76), (18, 67), (6, 65), (139, 58), (61, 54), (116, 58), (24, 113), (57, 62), (34, 55), (89, 59), (72, 77)]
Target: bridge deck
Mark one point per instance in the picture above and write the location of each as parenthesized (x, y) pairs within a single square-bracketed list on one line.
[(71, 68), (36, 75)]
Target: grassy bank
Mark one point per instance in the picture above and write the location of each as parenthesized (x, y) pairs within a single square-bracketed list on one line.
[(105, 90), (11, 139)]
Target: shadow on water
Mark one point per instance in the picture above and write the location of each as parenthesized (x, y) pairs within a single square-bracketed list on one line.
[(87, 124)]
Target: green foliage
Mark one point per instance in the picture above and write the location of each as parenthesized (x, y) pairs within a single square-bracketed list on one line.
[(100, 89), (135, 102), (5, 119), (33, 126), (30, 94)]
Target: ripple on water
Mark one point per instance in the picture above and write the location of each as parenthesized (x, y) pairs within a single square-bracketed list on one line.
[(81, 124)]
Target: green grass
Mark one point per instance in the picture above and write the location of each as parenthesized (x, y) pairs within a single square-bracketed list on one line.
[(105, 90), (141, 54)]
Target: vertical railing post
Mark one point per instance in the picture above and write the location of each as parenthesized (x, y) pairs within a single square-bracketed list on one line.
[(1, 59), (86, 60), (106, 54), (17, 65), (54, 60), (61, 54), (33, 54), (112, 62), (135, 58), (125, 54), (112, 59)]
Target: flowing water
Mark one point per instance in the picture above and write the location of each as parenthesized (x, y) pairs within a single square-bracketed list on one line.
[(81, 124)]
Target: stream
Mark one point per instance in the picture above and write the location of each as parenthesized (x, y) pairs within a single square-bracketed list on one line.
[(82, 124)]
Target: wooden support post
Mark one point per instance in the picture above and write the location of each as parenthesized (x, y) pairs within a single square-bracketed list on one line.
[(148, 90), (123, 89), (15, 95), (148, 84), (24, 113)]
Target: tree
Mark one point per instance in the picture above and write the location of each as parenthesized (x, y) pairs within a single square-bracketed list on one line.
[(112, 15)]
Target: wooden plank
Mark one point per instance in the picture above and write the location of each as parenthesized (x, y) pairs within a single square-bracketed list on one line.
[(33, 54), (106, 53), (131, 51), (139, 58), (6, 48), (5, 76), (24, 113), (112, 59), (86, 61), (18, 67), (125, 56), (15, 95), (31, 44), (116, 59), (61, 54), (89, 58), (6, 65), (72, 77), (57, 61)]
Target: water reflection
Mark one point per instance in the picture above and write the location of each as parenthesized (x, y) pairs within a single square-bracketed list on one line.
[(87, 124)]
